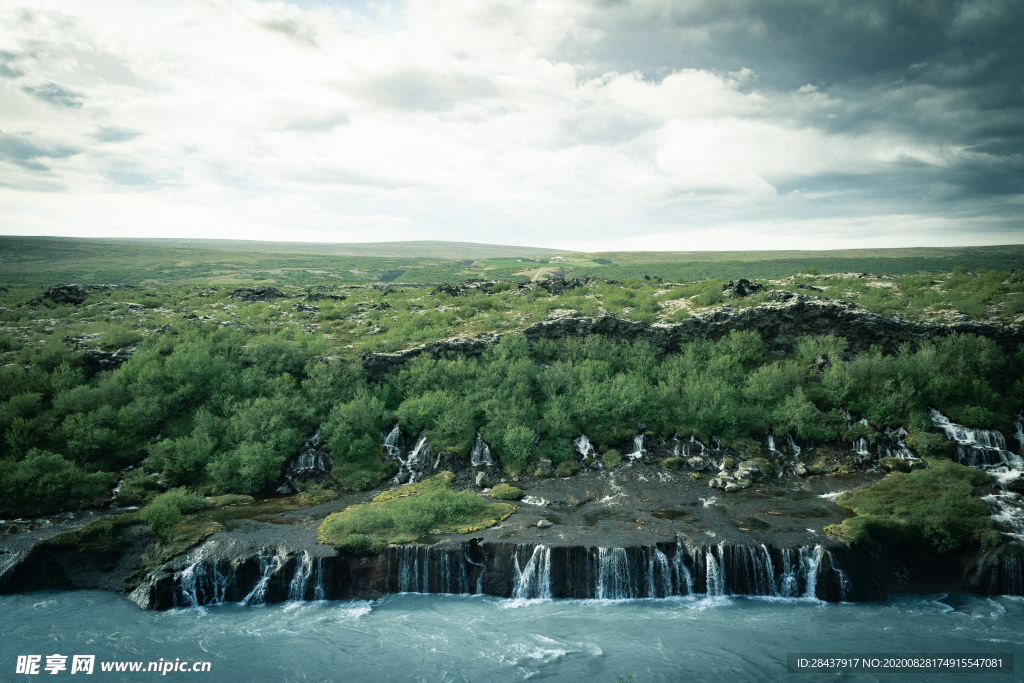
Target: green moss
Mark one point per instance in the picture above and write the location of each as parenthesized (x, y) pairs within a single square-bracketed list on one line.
[(931, 445), (567, 468), (213, 502), (766, 466), (317, 494), (407, 513), (730, 463), (507, 492), (934, 508), (611, 459), (99, 535), (671, 463)]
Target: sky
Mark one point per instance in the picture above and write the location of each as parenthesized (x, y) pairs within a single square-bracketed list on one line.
[(584, 125)]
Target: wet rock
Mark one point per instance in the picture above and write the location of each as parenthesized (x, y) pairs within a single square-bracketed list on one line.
[(312, 462), (543, 524), (800, 470), (698, 464), (544, 465), (284, 490), (482, 480), (257, 293), (447, 461)]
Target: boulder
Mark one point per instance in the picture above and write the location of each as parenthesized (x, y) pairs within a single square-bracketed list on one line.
[(482, 480), (741, 288), (698, 464), (543, 524)]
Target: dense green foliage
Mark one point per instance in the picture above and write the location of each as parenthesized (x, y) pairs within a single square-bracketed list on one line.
[(405, 514), (936, 506), (507, 492), (221, 391)]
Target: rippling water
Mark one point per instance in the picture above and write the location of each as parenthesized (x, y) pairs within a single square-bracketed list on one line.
[(461, 638)]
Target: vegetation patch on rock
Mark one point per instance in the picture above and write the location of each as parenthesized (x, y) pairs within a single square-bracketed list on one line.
[(935, 508), (407, 513), (507, 492)]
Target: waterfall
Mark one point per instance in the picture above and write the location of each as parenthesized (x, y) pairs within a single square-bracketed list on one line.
[(810, 562), (393, 443), (412, 467), (789, 581), (681, 574), (793, 448), (480, 456), (895, 445), (638, 448), (300, 580), (533, 580), (414, 570), (311, 460), (616, 579), (1013, 578), (201, 584), (771, 444), (846, 593), (584, 447), (715, 573), (659, 575), (483, 568), (269, 565), (981, 448)]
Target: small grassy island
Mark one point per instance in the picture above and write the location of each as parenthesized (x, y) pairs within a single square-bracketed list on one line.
[(407, 513)]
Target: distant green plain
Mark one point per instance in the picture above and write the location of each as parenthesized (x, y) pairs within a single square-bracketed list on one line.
[(51, 260)]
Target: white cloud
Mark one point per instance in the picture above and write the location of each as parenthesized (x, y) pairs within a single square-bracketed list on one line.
[(428, 120)]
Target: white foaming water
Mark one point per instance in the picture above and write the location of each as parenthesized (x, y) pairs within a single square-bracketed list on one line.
[(793, 448), (532, 581), (480, 456), (439, 638), (638, 448), (270, 564), (412, 467), (584, 447), (981, 448), (831, 496)]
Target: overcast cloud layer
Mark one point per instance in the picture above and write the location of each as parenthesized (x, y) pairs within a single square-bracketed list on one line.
[(652, 124)]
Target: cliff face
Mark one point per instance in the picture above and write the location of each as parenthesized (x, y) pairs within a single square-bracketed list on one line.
[(830, 572), (780, 323)]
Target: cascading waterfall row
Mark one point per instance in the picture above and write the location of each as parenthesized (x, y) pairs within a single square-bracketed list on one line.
[(277, 577)]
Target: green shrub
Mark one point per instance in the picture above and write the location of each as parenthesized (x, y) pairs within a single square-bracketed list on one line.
[(168, 509), (894, 465), (318, 494), (931, 445), (766, 466), (729, 463), (611, 459), (45, 482), (138, 486), (567, 468), (360, 480), (507, 492), (673, 463)]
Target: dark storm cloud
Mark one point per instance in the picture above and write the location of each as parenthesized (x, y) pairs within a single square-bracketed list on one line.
[(23, 152), (56, 95), (941, 72)]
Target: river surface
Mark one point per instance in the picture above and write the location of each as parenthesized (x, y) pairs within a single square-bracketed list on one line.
[(412, 637)]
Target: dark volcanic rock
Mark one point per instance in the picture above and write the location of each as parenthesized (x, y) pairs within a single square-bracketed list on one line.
[(451, 290), (312, 462), (741, 288), (376, 364), (98, 361), (257, 293)]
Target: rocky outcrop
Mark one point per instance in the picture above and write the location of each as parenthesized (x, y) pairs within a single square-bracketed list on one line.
[(313, 462), (781, 322), (257, 294), (741, 288), (226, 572), (376, 364), (97, 360)]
